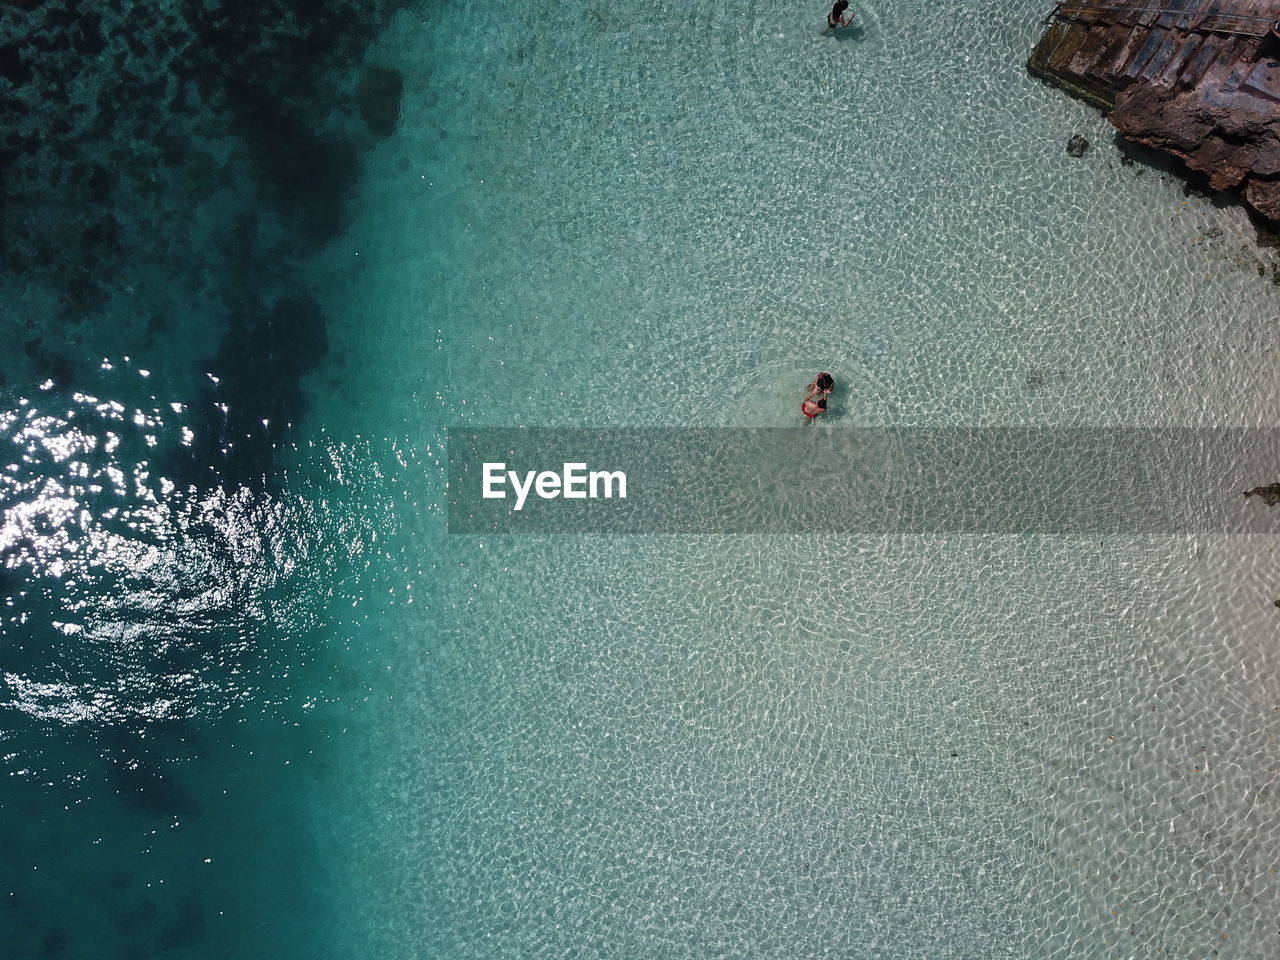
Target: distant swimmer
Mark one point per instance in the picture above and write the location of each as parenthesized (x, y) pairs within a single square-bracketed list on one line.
[(815, 404), (836, 17)]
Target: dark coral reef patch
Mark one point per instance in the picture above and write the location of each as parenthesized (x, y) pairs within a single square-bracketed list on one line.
[(138, 140), (380, 93)]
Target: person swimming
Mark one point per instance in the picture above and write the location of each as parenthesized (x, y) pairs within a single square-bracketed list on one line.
[(813, 408), (815, 405), (836, 17)]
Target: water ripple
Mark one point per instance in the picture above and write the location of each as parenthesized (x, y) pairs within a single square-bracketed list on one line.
[(129, 596)]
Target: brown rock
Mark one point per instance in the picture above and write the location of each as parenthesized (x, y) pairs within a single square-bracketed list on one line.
[(1233, 137), (1189, 83), (1264, 196)]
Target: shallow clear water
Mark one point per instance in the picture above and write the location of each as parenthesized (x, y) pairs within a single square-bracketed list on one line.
[(411, 744), (913, 747)]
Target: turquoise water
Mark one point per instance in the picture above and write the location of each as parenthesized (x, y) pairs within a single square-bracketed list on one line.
[(388, 741)]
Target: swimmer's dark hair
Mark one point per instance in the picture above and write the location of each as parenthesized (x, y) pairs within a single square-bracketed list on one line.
[(825, 382), (840, 7), (822, 403)]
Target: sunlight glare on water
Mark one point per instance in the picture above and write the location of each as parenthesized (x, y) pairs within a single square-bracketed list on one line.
[(280, 711)]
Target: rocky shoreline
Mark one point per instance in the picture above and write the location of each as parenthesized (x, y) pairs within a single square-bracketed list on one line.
[(1235, 144), (1203, 88)]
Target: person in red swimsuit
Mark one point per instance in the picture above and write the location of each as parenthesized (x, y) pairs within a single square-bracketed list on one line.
[(815, 403), (811, 408)]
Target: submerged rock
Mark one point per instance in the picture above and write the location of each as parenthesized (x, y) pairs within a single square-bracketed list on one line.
[(13, 67), (155, 792), (187, 928), (1264, 195), (53, 944), (1077, 146), (48, 363), (88, 40), (379, 98), (309, 175), (1270, 494), (293, 340)]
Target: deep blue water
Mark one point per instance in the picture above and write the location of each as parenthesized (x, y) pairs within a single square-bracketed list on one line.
[(255, 701), (174, 680)]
